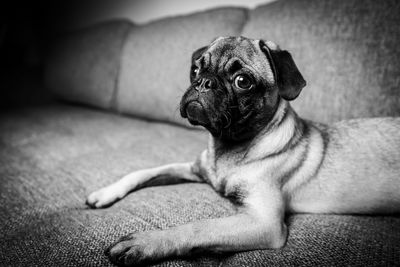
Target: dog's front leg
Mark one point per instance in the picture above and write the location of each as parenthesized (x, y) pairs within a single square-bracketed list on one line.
[(114, 192), (258, 225)]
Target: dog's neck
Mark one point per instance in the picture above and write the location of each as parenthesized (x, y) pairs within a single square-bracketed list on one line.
[(284, 129)]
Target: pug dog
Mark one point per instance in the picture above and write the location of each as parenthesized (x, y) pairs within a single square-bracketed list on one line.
[(263, 156)]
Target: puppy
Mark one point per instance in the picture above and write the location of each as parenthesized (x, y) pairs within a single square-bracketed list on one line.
[(263, 156)]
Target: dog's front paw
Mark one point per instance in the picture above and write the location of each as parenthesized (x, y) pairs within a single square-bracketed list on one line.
[(105, 197), (137, 249)]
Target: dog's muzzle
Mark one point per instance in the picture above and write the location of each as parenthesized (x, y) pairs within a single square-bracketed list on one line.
[(196, 114)]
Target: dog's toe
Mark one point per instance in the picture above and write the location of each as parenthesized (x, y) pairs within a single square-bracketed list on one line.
[(90, 204), (104, 197), (125, 254)]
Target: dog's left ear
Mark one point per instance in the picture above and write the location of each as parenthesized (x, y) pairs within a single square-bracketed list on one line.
[(197, 54), (288, 78)]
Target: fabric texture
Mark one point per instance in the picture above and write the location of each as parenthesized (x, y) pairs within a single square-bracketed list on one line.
[(347, 51), (52, 157), (156, 60), (83, 66)]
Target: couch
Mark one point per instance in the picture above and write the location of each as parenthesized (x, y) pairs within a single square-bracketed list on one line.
[(117, 87)]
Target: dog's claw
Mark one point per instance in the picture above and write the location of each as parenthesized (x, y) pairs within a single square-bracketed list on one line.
[(135, 249)]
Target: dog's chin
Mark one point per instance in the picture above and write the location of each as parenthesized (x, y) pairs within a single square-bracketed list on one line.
[(196, 114)]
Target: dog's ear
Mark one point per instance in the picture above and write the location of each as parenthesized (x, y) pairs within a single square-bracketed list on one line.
[(288, 78), (196, 55)]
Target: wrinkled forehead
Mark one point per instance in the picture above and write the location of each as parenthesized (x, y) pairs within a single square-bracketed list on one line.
[(228, 45), (225, 51)]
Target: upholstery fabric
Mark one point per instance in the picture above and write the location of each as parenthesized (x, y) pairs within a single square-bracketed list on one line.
[(83, 66), (51, 157), (347, 51), (156, 60)]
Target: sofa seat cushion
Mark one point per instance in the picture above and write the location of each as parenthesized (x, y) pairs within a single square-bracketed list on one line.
[(52, 157)]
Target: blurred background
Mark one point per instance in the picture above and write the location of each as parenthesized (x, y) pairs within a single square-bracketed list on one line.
[(29, 27)]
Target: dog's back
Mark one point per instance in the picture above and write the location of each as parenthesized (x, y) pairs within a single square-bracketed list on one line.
[(360, 172)]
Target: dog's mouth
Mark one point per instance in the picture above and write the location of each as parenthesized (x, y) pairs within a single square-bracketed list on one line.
[(196, 113)]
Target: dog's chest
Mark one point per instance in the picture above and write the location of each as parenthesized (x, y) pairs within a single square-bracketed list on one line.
[(224, 176)]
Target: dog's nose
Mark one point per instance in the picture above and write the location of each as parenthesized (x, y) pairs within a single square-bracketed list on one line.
[(205, 84)]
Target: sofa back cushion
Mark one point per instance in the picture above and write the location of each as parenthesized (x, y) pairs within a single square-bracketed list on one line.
[(156, 57), (83, 66), (348, 52), (141, 70)]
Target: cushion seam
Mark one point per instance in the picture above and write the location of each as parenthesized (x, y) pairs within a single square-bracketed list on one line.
[(114, 97)]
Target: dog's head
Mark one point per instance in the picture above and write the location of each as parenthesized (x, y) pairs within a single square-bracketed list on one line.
[(236, 86)]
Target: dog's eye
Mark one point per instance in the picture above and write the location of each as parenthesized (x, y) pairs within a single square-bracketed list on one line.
[(195, 70), (243, 82)]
